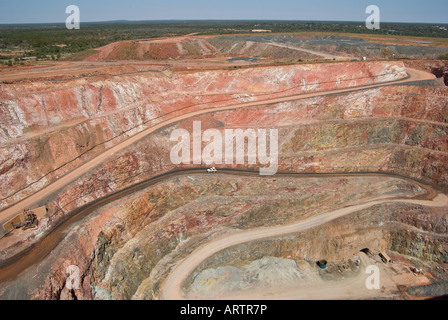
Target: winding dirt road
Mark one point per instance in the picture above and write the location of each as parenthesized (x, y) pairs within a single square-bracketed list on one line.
[(172, 288), (12, 267), (316, 53)]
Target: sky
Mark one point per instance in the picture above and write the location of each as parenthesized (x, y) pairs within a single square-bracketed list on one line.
[(50, 11)]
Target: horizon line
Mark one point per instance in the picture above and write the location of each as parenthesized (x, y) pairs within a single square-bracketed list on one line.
[(211, 20)]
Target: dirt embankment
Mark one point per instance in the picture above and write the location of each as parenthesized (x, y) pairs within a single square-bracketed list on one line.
[(194, 48), (158, 49), (437, 67)]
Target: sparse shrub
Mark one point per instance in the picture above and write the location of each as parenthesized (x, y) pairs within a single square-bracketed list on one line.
[(387, 52)]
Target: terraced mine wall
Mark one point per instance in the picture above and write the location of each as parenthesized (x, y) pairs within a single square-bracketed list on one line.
[(125, 249), (410, 233), (396, 129), (391, 129), (50, 128)]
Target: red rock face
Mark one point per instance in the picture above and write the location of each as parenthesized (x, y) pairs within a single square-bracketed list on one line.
[(344, 133), (49, 129)]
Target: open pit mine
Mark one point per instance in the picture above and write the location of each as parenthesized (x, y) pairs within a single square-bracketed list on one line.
[(93, 207)]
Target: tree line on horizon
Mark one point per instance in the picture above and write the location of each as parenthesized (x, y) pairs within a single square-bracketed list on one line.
[(52, 41)]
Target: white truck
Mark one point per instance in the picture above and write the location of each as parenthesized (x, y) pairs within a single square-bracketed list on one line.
[(384, 257), (211, 170)]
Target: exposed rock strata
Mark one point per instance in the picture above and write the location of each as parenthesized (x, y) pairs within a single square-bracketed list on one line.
[(124, 251), (50, 129), (133, 239)]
